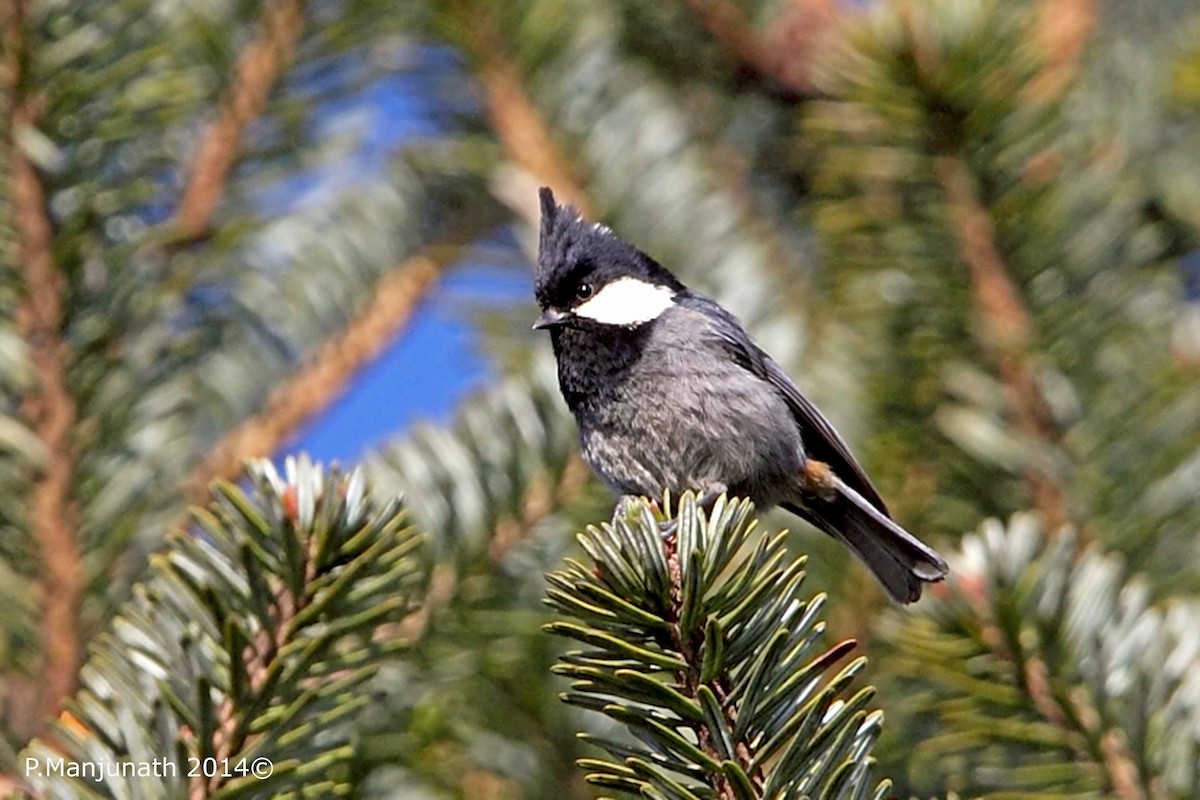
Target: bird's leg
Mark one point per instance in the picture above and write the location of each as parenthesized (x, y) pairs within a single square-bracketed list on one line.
[(709, 498), (667, 528), (705, 501), (628, 503)]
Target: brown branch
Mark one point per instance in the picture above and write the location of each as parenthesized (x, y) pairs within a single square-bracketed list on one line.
[(688, 678), (1072, 714), (1006, 327), (323, 378), (785, 56), (1121, 766), (254, 76), (518, 124), (49, 407), (1061, 32)]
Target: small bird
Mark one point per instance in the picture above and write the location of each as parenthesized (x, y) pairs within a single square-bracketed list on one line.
[(670, 393)]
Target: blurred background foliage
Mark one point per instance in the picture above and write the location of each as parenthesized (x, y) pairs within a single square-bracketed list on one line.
[(969, 229)]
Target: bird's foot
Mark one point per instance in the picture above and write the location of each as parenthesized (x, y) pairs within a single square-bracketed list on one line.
[(627, 507), (667, 528), (705, 501)]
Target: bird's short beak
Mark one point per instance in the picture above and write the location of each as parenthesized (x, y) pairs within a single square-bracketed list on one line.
[(551, 317)]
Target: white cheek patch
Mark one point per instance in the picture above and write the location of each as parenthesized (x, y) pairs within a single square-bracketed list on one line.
[(627, 301)]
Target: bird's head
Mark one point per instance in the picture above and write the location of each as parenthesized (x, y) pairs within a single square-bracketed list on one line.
[(586, 275)]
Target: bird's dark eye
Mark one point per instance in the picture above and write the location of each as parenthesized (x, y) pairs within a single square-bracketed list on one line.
[(583, 291)]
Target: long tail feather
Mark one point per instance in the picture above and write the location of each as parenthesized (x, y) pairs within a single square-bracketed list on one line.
[(900, 561)]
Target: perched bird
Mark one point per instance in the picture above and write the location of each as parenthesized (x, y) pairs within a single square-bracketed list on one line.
[(670, 393)]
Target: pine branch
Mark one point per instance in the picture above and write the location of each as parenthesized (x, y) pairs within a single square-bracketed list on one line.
[(785, 58), (702, 647), (946, 151), (323, 377), (517, 123), (257, 71), (944, 147), (248, 644), (1062, 31), (1048, 670), (1008, 329), (49, 406)]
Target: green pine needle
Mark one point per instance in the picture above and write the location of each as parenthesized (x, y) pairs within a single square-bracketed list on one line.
[(712, 661), (1048, 670), (251, 639)]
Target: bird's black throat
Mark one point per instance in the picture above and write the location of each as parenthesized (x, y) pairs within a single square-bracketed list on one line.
[(595, 359)]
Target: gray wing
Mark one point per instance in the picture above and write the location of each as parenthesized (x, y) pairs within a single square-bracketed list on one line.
[(821, 441)]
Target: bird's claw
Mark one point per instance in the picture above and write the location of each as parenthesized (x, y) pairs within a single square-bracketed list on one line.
[(667, 528)]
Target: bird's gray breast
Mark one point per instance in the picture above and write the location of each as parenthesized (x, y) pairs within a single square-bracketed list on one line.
[(683, 415)]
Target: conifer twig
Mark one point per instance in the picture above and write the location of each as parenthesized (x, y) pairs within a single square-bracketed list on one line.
[(242, 657), (258, 69), (521, 128), (1038, 650), (703, 647), (690, 678), (1007, 327), (785, 58), (323, 377), (1061, 32), (50, 406)]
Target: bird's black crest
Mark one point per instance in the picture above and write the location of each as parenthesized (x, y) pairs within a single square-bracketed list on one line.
[(549, 206), (569, 248), (564, 244)]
